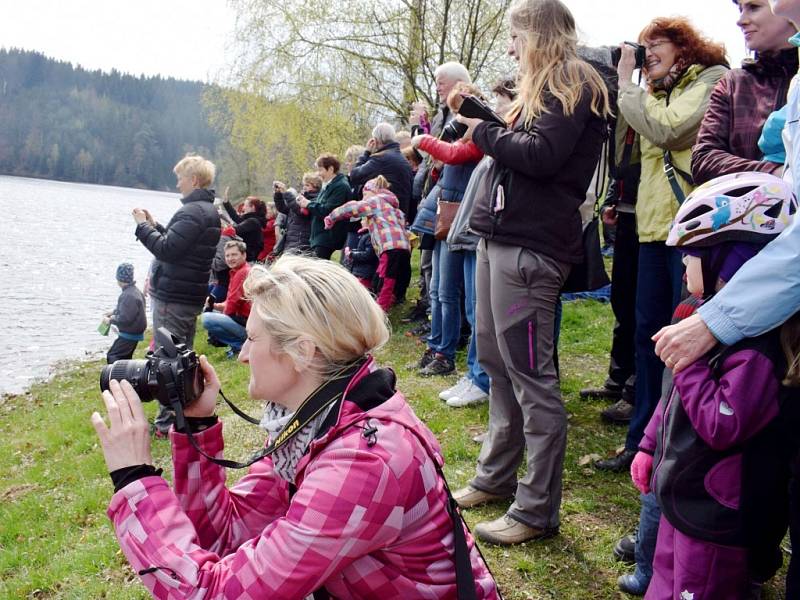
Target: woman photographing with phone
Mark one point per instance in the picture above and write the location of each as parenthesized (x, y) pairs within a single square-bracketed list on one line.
[(527, 215), (353, 504)]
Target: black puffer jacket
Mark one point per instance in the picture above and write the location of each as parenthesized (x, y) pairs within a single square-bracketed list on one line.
[(249, 227), (389, 162), (298, 223), (183, 250)]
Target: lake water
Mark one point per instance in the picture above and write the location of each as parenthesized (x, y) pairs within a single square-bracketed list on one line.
[(59, 249)]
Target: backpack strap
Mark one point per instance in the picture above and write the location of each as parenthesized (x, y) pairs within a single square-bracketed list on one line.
[(670, 170)]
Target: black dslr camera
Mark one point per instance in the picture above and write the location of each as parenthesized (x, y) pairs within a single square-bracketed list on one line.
[(453, 131), (641, 54), (171, 373)]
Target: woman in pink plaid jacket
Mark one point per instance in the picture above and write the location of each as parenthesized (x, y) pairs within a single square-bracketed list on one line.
[(349, 504)]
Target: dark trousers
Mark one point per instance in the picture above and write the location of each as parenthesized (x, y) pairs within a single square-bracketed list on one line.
[(622, 366), (121, 349), (658, 291)]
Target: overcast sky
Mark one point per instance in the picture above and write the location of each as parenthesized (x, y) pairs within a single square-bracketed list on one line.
[(188, 38)]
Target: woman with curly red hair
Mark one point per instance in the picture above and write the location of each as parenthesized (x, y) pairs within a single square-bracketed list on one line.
[(681, 69)]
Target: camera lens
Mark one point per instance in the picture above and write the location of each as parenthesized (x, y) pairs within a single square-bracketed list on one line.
[(135, 372)]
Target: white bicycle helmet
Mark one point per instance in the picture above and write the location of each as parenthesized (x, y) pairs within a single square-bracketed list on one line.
[(744, 207)]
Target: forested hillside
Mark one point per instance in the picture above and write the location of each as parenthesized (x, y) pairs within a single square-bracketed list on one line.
[(62, 122)]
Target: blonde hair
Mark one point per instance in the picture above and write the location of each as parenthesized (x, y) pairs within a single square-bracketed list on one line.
[(790, 343), (299, 298), (549, 64), (454, 99), (313, 178), (377, 183), (193, 165)]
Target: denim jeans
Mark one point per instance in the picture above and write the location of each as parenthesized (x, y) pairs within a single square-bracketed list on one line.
[(658, 291), (446, 283), (474, 370), (649, 516), (225, 329)]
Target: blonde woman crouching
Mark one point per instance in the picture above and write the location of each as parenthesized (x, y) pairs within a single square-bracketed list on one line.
[(352, 503)]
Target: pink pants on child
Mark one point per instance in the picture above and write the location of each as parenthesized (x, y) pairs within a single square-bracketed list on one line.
[(685, 568)]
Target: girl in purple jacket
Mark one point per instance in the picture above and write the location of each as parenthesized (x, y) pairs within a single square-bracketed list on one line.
[(716, 452)]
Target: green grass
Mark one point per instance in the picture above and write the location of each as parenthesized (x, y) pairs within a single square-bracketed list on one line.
[(56, 542)]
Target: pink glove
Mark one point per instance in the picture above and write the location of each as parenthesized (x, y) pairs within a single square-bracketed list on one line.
[(641, 469), (328, 222)]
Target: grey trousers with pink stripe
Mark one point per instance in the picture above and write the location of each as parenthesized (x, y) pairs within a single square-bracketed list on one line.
[(517, 290)]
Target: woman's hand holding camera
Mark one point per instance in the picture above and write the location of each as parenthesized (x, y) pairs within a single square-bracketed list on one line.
[(627, 64), (471, 125), (126, 442), (205, 405), (140, 215)]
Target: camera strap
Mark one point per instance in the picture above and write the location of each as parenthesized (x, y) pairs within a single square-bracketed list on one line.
[(326, 395)]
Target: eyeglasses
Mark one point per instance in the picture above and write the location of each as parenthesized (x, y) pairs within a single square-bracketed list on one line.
[(652, 46)]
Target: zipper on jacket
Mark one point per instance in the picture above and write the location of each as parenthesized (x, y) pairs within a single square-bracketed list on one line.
[(663, 436)]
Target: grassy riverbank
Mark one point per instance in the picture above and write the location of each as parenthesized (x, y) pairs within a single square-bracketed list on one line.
[(56, 542)]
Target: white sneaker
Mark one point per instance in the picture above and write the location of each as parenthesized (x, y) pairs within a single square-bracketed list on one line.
[(468, 396), (454, 390)]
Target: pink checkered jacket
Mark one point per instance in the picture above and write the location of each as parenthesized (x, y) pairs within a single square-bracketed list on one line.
[(365, 521), (385, 220)]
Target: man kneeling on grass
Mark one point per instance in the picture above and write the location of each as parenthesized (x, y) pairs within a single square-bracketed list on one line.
[(227, 326)]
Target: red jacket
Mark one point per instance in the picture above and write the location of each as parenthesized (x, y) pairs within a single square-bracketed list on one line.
[(269, 240), (235, 304), (455, 153)]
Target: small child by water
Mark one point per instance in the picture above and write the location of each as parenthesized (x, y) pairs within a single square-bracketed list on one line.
[(129, 316)]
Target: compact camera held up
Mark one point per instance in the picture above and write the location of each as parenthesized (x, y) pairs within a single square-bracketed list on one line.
[(171, 373), (641, 54)]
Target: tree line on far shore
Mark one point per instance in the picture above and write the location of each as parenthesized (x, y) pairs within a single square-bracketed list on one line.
[(63, 122)]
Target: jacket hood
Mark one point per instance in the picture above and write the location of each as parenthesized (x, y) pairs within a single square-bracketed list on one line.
[(774, 63), (370, 393), (388, 197), (199, 195)]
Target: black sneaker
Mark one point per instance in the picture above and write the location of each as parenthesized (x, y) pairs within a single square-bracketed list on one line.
[(422, 329), (619, 413), (426, 358), (625, 549), (617, 464), (440, 365), (601, 392), (418, 313)]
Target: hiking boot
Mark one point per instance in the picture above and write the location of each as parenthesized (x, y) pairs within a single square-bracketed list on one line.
[(417, 313), (468, 497), (455, 389), (601, 392), (507, 530), (625, 548), (616, 464), (619, 413), (426, 358), (631, 584), (469, 395), (440, 365)]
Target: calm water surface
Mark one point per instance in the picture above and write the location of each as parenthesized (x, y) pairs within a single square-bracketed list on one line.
[(59, 249)]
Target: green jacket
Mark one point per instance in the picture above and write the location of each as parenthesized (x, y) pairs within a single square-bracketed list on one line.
[(335, 193), (663, 126)]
